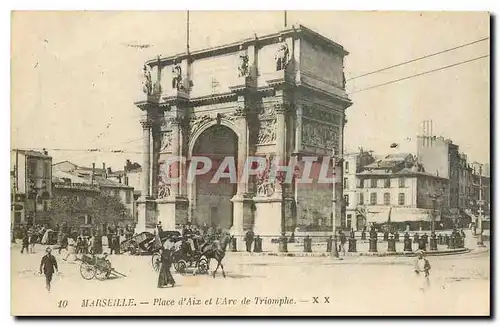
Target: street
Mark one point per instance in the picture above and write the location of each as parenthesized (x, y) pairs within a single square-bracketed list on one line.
[(459, 285)]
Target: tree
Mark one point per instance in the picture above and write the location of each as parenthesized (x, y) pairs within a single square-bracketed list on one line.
[(101, 209), (109, 209)]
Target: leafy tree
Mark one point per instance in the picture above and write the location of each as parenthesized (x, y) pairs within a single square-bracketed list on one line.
[(101, 209)]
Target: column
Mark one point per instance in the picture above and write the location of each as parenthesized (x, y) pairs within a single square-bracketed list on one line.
[(241, 122), (241, 202), (175, 166), (280, 139), (146, 165)]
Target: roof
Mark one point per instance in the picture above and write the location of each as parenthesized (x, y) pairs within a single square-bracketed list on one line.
[(59, 176), (31, 153), (106, 183)]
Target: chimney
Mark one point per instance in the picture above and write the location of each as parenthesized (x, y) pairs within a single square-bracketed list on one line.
[(125, 177), (104, 171), (93, 174), (45, 152)]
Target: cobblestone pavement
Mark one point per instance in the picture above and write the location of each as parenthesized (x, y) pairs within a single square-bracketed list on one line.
[(459, 284)]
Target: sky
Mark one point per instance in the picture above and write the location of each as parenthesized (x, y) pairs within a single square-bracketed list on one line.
[(74, 79)]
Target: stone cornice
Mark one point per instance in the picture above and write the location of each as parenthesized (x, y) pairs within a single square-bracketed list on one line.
[(259, 41)]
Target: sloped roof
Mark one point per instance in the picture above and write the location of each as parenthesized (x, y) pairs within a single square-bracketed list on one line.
[(32, 153), (107, 183), (59, 176)]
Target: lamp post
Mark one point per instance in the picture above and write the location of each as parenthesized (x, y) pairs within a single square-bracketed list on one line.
[(435, 197), (336, 160), (480, 210)]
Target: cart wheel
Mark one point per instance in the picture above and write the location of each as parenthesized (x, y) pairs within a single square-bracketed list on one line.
[(156, 261), (203, 266), (101, 275), (87, 271), (181, 267)]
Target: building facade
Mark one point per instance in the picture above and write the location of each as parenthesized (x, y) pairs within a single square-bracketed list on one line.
[(396, 189), (31, 186), (99, 178), (353, 196), (275, 96)]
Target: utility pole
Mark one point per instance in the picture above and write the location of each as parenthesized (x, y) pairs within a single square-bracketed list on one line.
[(434, 198), (335, 253), (480, 211)]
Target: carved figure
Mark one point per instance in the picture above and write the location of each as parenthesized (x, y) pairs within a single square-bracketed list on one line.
[(243, 67), (267, 132), (282, 57), (164, 191), (147, 84), (177, 79)]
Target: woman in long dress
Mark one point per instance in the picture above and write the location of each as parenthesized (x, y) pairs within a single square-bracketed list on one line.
[(165, 277)]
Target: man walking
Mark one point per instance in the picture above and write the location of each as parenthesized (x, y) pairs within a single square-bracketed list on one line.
[(343, 240), (249, 240), (26, 242), (48, 265), (422, 268)]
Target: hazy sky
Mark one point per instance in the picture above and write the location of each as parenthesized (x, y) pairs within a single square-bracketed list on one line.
[(74, 80)]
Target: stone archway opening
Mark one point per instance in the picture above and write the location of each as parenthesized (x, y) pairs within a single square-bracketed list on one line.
[(211, 201)]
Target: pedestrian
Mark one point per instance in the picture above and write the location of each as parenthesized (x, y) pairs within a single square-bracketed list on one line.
[(343, 240), (48, 266), (71, 248), (90, 246), (33, 240), (248, 240), (422, 268), (64, 242), (165, 276), (25, 242)]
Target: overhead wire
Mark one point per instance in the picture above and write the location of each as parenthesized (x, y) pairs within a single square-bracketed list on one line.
[(417, 75), (417, 59)]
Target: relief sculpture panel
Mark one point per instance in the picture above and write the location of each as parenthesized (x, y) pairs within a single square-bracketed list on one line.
[(320, 135), (267, 132), (321, 115)]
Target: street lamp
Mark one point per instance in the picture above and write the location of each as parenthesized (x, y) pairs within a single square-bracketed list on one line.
[(434, 198), (480, 211), (337, 159)]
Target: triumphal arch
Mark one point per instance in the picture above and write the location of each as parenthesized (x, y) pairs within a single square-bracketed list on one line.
[(279, 95)]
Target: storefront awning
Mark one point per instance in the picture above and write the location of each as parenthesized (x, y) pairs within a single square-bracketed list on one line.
[(378, 215), (411, 215)]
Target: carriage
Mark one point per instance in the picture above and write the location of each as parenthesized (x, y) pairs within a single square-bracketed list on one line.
[(144, 242), (183, 258), (96, 267)]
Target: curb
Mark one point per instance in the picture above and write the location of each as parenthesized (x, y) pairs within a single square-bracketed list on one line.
[(361, 254)]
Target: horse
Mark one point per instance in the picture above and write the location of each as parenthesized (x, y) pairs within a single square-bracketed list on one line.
[(216, 250)]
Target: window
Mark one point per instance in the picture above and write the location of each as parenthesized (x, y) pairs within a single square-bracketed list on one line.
[(17, 217), (346, 200), (401, 199), (349, 221), (346, 167), (32, 167), (346, 183), (361, 199), (387, 183), (47, 169), (402, 183), (373, 198), (128, 198), (373, 183), (387, 198), (116, 192)]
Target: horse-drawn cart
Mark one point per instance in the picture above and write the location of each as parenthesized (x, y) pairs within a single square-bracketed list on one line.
[(100, 268), (183, 257)]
